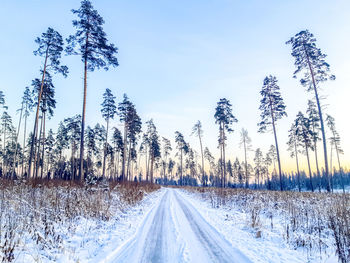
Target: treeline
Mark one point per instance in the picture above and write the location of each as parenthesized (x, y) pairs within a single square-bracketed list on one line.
[(136, 152)]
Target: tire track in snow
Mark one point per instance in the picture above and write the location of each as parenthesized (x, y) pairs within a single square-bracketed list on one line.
[(216, 246), (174, 231)]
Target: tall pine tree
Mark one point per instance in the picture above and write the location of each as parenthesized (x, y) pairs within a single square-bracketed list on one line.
[(310, 61), (272, 109), (224, 117), (90, 42), (109, 109), (50, 48)]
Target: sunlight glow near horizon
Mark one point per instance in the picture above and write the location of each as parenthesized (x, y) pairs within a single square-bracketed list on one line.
[(177, 59)]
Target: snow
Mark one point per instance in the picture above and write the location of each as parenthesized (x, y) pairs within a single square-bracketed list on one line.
[(266, 246), (90, 240), (173, 231), (172, 225)]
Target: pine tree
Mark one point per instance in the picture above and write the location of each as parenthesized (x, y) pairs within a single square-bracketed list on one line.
[(190, 165), (50, 47), (7, 131), (267, 162), (182, 148), (94, 50), (154, 145), (273, 155), (310, 61), (246, 143), (91, 149), (50, 153), (26, 106), (314, 119), (166, 153), (109, 109), (171, 165), (304, 137), (238, 172), (258, 160), (48, 104), (123, 109), (209, 157), (272, 109), (72, 130), (2, 98), (28, 103), (132, 128), (293, 149), (197, 131), (117, 140), (224, 117), (229, 168), (60, 146), (335, 142)]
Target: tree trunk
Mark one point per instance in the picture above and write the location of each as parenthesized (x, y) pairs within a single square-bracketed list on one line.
[(24, 142), (3, 159), (200, 143), (15, 157), (152, 164), (37, 152), (43, 147), (128, 163), (117, 165), (308, 163), (317, 167), (331, 166), (35, 130), (221, 157), (105, 152), (339, 167), (277, 150), (181, 176), (72, 161), (245, 163), (81, 163), (321, 121), (124, 151), (224, 159), (296, 158)]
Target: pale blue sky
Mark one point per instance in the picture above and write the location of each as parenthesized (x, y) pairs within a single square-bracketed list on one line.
[(178, 58)]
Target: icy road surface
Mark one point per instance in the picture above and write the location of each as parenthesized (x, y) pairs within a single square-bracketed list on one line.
[(174, 231)]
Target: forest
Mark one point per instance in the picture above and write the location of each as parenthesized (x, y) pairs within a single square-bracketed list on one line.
[(137, 152)]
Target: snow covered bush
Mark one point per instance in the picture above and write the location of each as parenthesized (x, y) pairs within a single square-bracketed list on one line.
[(38, 215), (319, 223)]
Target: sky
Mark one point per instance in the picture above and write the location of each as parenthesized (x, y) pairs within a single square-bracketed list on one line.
[(178, 58)]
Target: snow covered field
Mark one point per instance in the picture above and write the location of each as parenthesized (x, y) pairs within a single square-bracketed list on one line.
[(136, 224), (68, 223), (276, 227)]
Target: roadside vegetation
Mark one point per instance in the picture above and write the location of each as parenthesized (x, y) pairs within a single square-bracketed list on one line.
[(318, 223), (39, 214)]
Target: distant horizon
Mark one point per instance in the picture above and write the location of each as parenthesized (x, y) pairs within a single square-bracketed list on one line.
[(177, 60)]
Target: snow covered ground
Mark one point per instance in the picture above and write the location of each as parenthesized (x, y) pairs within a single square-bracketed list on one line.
[(175, 225), (259, 244), (50, 235), (174, 231), (93, 240)]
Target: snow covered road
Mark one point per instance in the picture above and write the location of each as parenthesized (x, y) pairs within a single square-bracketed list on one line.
[(174, 231)]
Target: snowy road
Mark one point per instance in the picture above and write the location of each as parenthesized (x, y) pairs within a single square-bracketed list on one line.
[(174, 231)]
